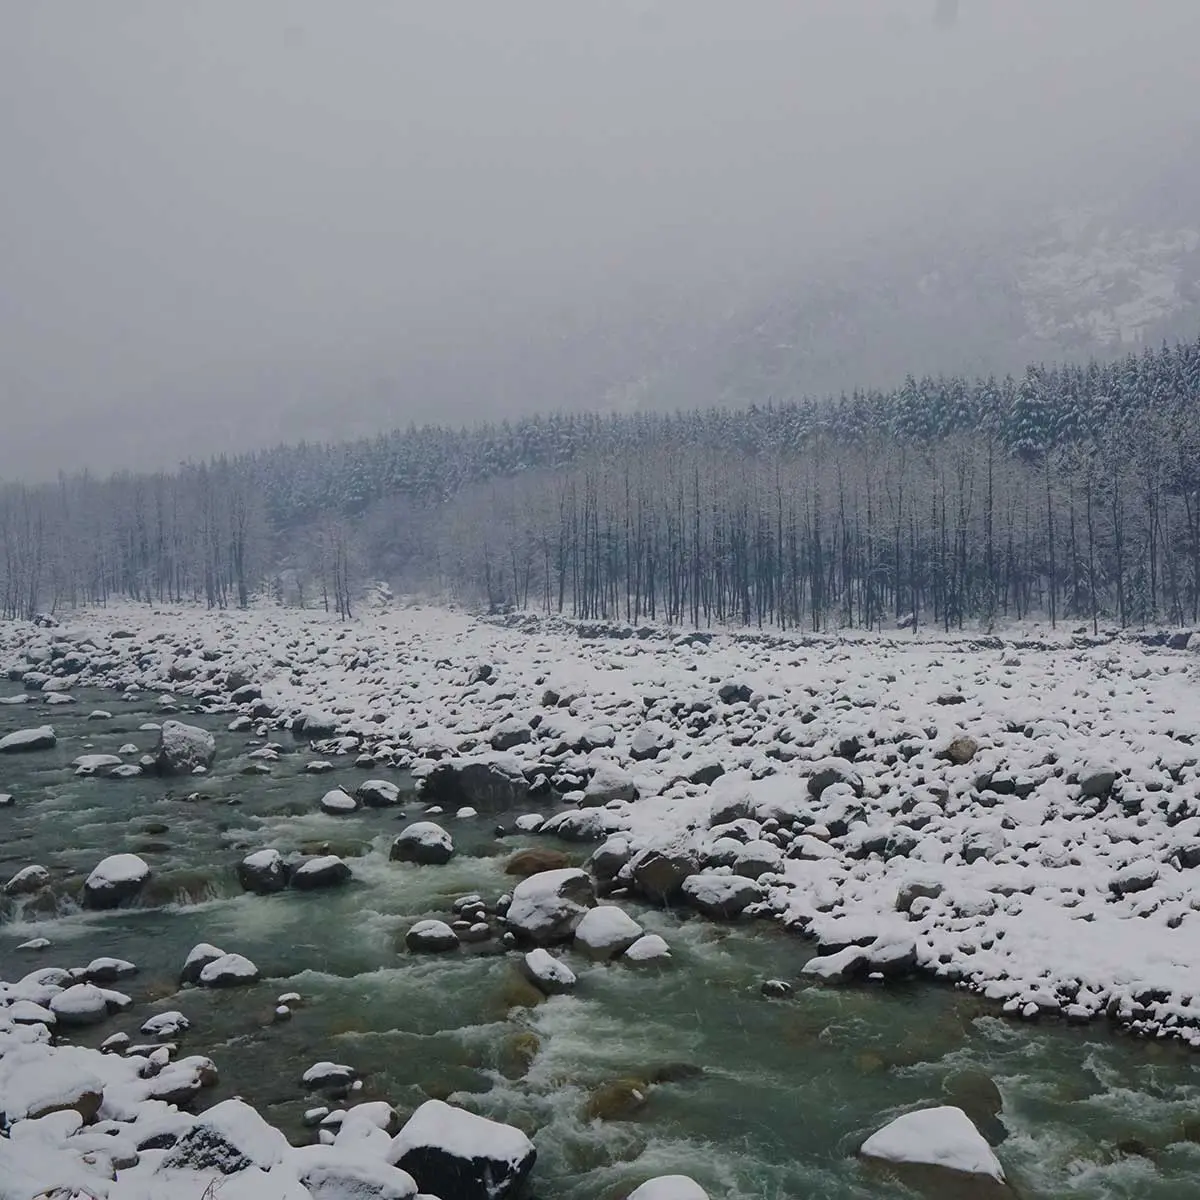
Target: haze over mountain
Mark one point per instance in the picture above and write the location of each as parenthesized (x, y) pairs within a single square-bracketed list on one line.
[(228, 225)]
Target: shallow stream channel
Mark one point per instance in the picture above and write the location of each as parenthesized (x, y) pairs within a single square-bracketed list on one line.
[(683, 1066)]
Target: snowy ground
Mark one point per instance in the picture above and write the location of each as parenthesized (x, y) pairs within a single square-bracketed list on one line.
[(1018, 821), (1051, 870)]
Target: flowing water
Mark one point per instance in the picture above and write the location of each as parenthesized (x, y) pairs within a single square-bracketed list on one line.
[(756, 1098)]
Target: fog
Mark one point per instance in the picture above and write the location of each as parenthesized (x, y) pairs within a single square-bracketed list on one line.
[(231, 223)]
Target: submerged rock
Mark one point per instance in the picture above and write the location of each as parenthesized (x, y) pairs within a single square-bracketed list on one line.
[(532, 861)]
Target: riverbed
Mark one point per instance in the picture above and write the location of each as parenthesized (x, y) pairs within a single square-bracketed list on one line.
[(682, 1067)]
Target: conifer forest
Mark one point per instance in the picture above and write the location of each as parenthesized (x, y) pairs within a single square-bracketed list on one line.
[(1071, 494)]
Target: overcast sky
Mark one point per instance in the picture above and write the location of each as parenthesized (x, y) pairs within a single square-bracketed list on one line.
[(225, 223)]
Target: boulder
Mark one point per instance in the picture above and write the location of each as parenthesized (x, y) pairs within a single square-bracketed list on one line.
[(549, 906), (535, 860), (263, 872), (935, 1137), (608, 783), (457, 1155), (830, 771), (669, 1187), (377, 793), (1096, 781), (228, 1138), (96, 764), (338, 803), (337, 1173), (323, 871), (605, 932), (580, 825), (721, 897), (648, 948), (510, 734), (961, 750), (548, 974), (230, 970), (488, 784), (434, 937), (81, 1004), (41, 738), (198, 958), (114, 880), (328, 1077), (182, 749), (423, 842), (27, 880), (659, 875), (650, 741), (757, 858)]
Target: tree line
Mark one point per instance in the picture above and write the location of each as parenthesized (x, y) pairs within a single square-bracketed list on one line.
[(1073, 492)]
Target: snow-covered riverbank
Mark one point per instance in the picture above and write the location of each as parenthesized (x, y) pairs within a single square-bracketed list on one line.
[(1020, 822)]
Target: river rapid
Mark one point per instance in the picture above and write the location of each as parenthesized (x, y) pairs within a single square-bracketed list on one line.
[(682, 1067)]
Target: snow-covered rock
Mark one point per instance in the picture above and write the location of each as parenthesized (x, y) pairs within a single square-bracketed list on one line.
[(228, 1138), (423, 842), (609, 782), (549, 906), (346, 1173), (605, 932), (230, 970), (938, 1137), (198, 958), (650, 947), (337, 802), (115, 879), (669, 1187), (263, 872), (548, 974), (97, 764), (41, 738), (81, 1004), (453, 1153), (323, 871), (27, 880), (431, 937), (182, 749), (377, 793), (721, 896)]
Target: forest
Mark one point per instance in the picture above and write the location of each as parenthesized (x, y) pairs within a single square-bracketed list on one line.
[(1071, 494)]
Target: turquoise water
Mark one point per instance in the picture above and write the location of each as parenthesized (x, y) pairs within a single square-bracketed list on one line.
[(755, 1098)]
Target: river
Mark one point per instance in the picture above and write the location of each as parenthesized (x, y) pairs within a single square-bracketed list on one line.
[(755, 1098)]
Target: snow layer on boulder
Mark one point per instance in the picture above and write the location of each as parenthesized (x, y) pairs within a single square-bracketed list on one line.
[(669, 1187), (937, 1137)]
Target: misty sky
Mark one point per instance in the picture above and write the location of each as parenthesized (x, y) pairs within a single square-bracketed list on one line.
[(226, 223)]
